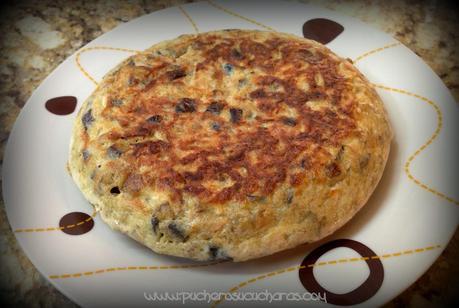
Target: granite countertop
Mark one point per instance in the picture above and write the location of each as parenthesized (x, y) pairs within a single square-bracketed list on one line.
[(37, 36)]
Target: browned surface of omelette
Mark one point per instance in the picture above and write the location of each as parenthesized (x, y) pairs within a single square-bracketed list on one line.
[(230, 144)]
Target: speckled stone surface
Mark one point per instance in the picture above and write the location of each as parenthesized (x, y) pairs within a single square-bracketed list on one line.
[(35, 37)]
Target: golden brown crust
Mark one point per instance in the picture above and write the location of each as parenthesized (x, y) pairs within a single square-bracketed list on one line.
[(233, 133)]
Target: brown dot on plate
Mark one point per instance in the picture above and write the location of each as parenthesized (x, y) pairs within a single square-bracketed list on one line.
[(61, 105), (76, 223), (359, 295), (322, 30)]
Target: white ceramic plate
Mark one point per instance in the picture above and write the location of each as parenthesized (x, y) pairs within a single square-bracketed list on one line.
[(406, 224)]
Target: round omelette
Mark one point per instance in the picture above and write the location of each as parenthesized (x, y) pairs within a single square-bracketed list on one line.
[(231, 144)]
